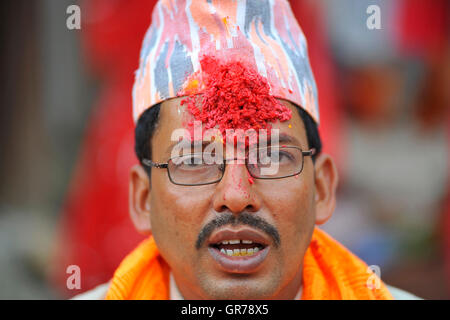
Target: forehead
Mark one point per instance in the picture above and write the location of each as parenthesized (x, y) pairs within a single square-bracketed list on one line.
[(174, 116)]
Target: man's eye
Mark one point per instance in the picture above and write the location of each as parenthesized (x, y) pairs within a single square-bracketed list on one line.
[(285, 156), (276, 156)]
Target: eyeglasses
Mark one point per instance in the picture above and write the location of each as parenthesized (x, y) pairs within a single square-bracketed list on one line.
[(197, 169)]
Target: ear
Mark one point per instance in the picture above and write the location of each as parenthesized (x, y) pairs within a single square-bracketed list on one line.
[(326, 181), (139, 200)]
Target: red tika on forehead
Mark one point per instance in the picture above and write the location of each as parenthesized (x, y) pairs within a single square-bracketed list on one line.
[(234, 97)]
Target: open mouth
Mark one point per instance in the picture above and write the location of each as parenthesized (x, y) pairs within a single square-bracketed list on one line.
[(238, 248), (239, 251)]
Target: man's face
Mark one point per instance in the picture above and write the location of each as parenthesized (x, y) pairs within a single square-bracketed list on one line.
[(179, 214)]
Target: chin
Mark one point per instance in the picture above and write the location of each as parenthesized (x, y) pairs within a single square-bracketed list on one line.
[(239, 288)]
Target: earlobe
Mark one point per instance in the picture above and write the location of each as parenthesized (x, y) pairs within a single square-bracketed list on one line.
[(326, 181), (139, 200)]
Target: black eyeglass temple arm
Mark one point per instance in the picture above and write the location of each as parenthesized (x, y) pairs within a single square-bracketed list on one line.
[(150, 163), (310, 152)]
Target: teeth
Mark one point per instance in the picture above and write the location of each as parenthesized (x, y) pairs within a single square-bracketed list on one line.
[(240, 252), (237, 241)]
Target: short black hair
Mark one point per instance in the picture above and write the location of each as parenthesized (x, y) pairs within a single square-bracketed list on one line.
[(143, 133), (148, 121)]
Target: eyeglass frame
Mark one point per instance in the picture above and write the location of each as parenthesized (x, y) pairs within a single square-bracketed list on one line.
[(149, 163)]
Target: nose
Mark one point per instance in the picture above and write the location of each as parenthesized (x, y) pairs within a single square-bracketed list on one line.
[(235, 193)]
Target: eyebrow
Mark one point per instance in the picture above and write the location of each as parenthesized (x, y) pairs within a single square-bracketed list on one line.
[(185, 143), (283, 139)]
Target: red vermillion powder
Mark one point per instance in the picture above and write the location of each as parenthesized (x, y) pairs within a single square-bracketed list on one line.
[(234, 96), (250, 178)]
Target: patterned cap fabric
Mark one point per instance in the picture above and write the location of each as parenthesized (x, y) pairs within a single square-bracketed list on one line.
[(264, 34)]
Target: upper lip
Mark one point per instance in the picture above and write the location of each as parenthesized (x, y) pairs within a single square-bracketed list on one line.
[(241, 234)]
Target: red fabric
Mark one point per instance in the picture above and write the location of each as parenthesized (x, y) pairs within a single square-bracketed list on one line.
[(96, 231), (423, 26), (424, 31)]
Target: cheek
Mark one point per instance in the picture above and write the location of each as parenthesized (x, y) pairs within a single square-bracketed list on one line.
[(177, 215), (290, 199), (291, 204)]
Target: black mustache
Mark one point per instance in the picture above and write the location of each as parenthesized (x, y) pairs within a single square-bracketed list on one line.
[(231, 219)]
